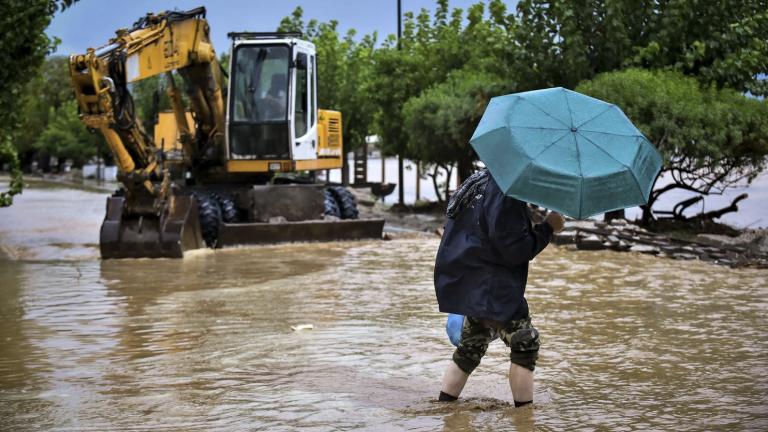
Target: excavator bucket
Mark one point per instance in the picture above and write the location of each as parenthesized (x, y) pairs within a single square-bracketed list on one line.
[(168, 236)]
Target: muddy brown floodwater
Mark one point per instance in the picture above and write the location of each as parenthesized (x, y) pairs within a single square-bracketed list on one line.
[(630, 342)]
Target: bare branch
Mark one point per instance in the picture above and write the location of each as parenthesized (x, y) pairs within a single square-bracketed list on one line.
[(718, 213)]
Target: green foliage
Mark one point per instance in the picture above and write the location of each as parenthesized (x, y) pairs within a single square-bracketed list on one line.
[(431, 49), (722, 42), (224, 59), (150, 97), (441, 119), (48, 90), (24, 46), (562, 42), (710, 138), (49, 104), (8, 155), (66, 137), (423, 94)]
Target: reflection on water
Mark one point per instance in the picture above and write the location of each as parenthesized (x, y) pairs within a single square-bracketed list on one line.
[(630, 342)]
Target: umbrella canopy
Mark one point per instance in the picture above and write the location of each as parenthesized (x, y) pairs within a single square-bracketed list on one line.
[(566, 151)]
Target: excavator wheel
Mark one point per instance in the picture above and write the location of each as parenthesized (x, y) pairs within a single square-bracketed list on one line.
[(229, 212), (331, 207), (346, 201), (210, 218)]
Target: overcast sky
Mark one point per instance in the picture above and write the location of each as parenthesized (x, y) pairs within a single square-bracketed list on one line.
[(90, 23)]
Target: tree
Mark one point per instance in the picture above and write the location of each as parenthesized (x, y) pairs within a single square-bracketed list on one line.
[(66, 137), (431, 50), (710, 138), (442, 119), (8, 154), (560, 43), (719, 42), (545, 43), (47, 91), (24, 43)]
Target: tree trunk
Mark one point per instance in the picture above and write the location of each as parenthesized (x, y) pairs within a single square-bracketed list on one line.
[(435, 170), (448, 172), (647, 216), (465, 168), (344, 169)]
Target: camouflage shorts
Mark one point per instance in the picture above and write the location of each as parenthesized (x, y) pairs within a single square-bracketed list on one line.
[(519, 335)]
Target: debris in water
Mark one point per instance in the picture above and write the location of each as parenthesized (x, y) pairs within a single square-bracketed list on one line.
[(301, 327)]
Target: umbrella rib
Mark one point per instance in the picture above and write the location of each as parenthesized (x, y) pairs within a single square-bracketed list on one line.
[(596, 116), (581, 176), (570, 113), (546, 113), (550, 145), (608, 133), (581, 197), (618, 161), (536, 127)]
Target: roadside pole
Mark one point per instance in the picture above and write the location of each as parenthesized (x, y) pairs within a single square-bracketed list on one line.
[(400, 180)]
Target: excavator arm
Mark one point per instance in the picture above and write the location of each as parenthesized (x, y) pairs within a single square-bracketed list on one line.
[(156, 44), (148, 218)]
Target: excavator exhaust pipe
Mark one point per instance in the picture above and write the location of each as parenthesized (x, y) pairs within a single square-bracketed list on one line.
[(168, 236)]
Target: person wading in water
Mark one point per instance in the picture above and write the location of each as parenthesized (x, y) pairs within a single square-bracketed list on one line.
[(481, 271)]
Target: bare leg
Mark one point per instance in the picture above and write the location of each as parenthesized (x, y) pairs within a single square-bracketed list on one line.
[(454, 380), (520, 382)]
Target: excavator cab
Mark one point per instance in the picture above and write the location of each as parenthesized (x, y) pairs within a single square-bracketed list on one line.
[(272, 99)]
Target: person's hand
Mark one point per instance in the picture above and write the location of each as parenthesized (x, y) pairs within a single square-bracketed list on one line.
[(556, 221)]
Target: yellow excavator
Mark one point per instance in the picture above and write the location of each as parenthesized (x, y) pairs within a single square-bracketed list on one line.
[(235, 159)]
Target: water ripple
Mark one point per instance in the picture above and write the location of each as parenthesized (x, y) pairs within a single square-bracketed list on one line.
[(630, 342)]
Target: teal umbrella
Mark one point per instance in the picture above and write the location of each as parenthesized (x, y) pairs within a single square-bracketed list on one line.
[(565, 151)]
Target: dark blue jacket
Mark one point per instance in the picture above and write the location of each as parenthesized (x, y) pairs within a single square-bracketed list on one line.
[(482, 263)]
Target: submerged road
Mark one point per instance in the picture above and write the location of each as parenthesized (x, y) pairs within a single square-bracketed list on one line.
[(630, 342)]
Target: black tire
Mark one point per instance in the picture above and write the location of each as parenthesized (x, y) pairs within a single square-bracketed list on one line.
[(331, 207), (210, 218), (229, 212), (346, 201)]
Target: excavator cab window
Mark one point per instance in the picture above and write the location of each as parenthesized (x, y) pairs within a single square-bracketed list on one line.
[(300, 104), (312, 105), (259, 126)]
